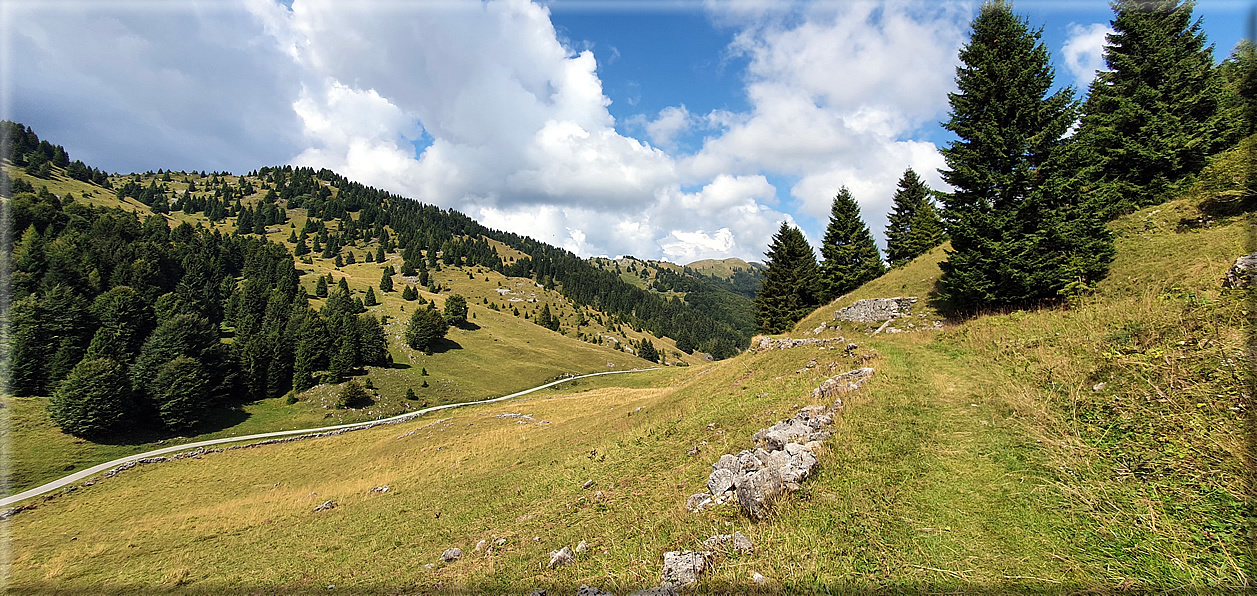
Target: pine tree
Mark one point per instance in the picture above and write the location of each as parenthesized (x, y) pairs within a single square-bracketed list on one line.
[(1016, 236), (1152, 119), (353, 395), (791, 287), (379, 254), (320, 287), (386, 280), (410, 293), (370, 298), (914, 227), (850, 256)]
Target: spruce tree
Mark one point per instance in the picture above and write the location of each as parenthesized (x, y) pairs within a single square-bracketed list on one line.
[(791, 287), (914, 227), (320, 287), (1152, 119), (386, 280), (370, 299), (1016, 233), (850, 256)]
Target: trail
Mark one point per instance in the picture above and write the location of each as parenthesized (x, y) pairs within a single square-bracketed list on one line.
[(75, 477)]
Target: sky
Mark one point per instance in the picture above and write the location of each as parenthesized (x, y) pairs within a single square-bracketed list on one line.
[(662, 129)]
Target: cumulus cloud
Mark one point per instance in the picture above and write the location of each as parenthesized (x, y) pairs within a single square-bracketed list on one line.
[(483, 107), (165, 87), (1084, 51), (837, 95)]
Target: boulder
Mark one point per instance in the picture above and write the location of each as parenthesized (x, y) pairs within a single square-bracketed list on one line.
[(757, 489), (682, 568), (1242, 272), (876, 310), (721, 480), (451, 555), (799, 466), (561, 557), (582, 547), (326, 505), (480, 546), (727, 462), (591, 591), (776, 436)]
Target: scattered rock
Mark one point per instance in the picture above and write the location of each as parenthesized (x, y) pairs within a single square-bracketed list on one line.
[(873, 310), (843, 383), (537, 593), (480, 546), (756, 490), (759, 579), (657, 591), (500, 541), (740, 542), (379, 489), (1099, 387), (561, 557), (326, 505), (591, 591), (588, 483), (582, 547), (1242, 272), (763, 343), (452, 555), (697, 502), (682, 568), (721, 480), (429, 566), (598, 496)]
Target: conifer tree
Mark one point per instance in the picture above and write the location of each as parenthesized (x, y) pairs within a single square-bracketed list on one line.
[(386, 280), (1016, 233), (850, 256), (914, 227), (791, 287), (1152, 119), (320, 287), (370, 298), (455, 310)]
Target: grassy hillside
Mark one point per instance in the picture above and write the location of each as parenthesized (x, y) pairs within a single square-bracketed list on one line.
[(499, 352), (1098, 445)]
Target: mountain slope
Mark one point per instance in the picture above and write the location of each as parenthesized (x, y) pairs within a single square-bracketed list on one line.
[(985, 456)]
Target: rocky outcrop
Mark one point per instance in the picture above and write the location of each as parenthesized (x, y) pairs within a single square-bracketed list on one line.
[(451, 555), (737, 540), (1242, 272), (326, 506), (876, 310)]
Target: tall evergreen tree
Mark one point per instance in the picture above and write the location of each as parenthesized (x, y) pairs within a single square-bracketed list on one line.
[(851, 258), (1152, 119), (914, 227), (791, 287), (1016, 233), (386, 280)]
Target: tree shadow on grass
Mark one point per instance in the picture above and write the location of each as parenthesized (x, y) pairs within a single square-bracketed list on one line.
[(445, 344), (467, 326), (214, 420)]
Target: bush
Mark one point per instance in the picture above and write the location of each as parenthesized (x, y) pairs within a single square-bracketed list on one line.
[(353, 395)]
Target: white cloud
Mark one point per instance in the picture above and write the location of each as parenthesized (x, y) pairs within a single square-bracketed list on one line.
[(512, 122), (671, 121), (1084, 51)]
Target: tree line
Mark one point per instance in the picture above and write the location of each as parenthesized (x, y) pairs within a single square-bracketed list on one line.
[(1036, 173)]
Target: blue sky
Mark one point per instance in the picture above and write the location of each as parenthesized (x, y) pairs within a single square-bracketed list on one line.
[(675, 129)]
